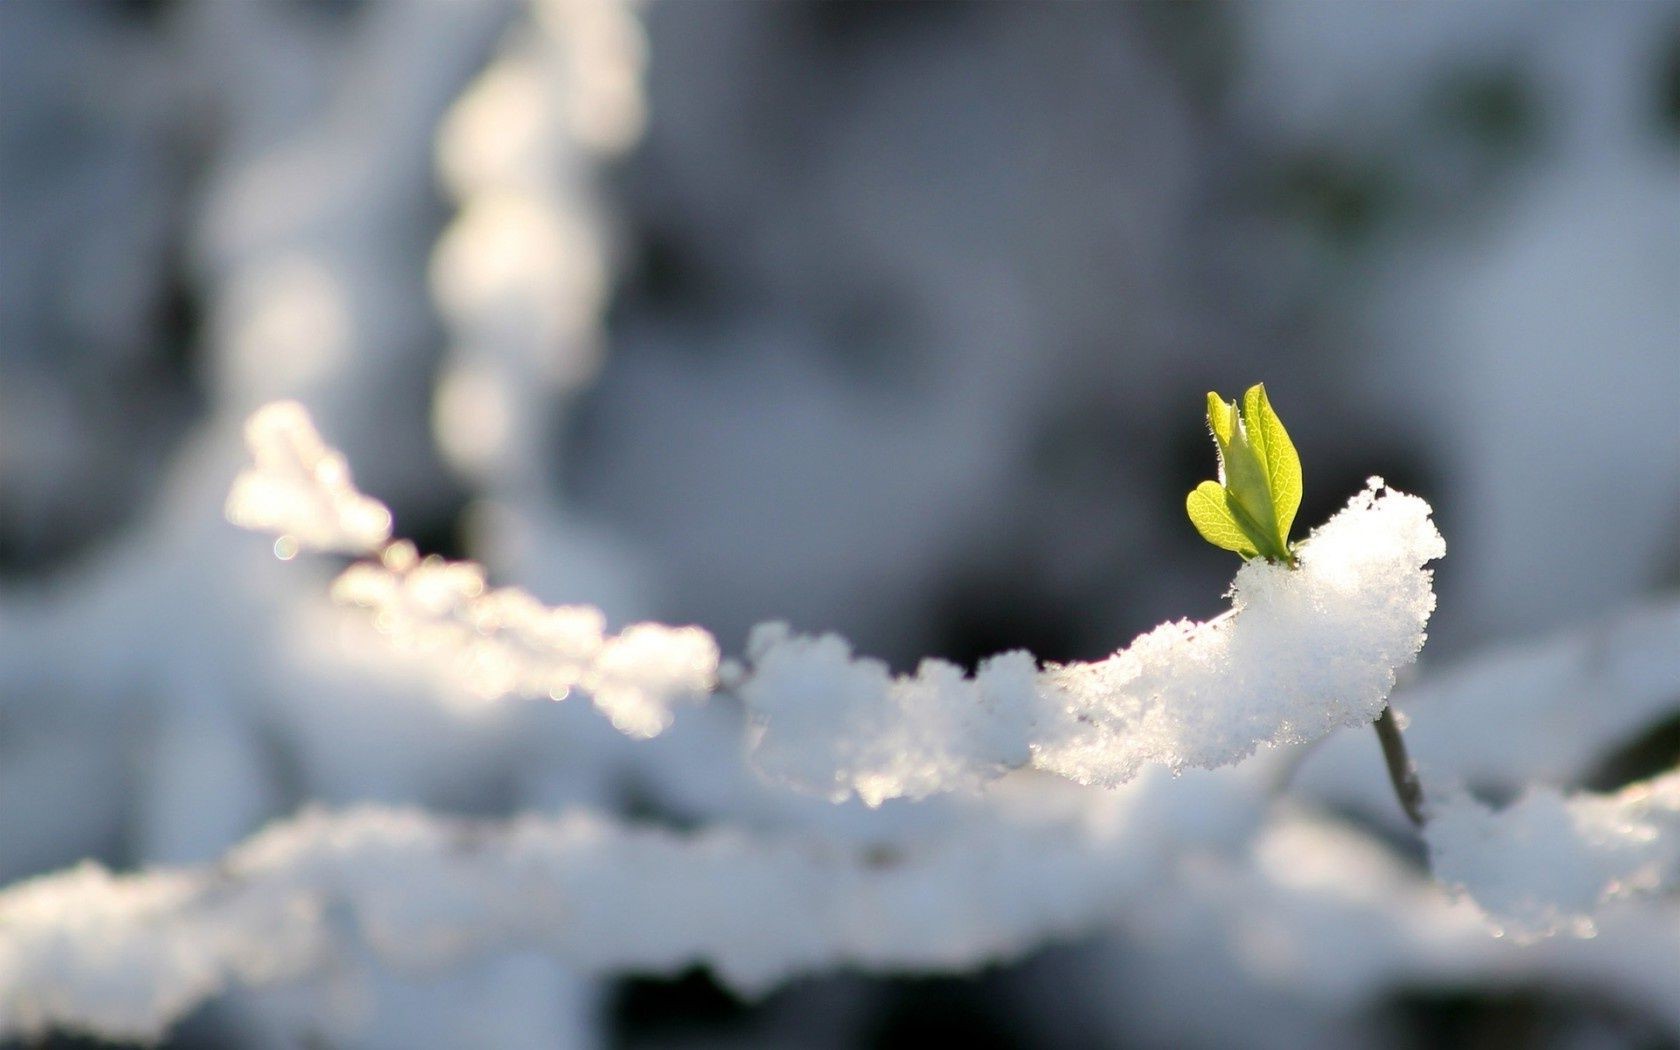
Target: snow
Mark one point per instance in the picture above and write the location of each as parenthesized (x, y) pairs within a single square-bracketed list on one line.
[(301, 489), (1544, 710), (1301, 653), (493, 641), (834, 725), (1187, 869), (1550, 861), (122, 956), (792, 450), (501, 641)]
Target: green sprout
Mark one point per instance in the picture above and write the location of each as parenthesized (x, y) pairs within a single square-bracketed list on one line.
[(1250, 510), (1251, 507)]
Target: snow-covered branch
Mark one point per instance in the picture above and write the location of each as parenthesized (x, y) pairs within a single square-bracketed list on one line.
[(493, 641), (1302, 652), (500, 641), (302, 489), (125, 955), (1547, 862)]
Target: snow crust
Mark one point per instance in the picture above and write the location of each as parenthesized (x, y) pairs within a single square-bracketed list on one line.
[(1301, 653)]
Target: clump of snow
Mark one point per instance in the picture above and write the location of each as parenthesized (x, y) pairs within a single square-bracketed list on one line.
[(1546, 863), (301, 488), (860, 730), (88, 945), (493, 641), (1301, 653), (502, 641)]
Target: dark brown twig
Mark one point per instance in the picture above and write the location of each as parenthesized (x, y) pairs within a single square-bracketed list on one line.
[(1400, 768)]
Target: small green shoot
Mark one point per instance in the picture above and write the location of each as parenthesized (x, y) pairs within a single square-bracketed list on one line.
[(1251, 507)]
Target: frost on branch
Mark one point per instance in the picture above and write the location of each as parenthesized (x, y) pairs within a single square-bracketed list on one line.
[(1548, 861), (1301, 653), (123, 956), (301, 489), (493, 641)]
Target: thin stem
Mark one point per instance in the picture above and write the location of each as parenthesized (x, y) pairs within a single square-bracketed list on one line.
[(1400, 768)]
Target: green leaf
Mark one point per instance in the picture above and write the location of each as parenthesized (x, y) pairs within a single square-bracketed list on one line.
[(1252, 506), (1246, 483), (1222, 418), (1213, 519), (1278, 456)]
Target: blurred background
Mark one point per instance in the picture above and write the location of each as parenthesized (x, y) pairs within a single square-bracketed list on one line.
[(888, 319)]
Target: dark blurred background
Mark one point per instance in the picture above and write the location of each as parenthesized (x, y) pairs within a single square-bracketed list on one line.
[(892, 319)]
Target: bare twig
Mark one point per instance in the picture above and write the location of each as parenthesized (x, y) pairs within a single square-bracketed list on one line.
[(1401, 771)]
